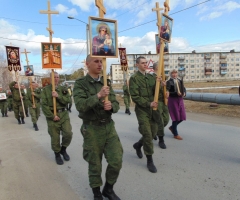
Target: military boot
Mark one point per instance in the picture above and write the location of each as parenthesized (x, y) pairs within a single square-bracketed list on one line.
[(19, 121), (27, 115), (58, 158), (36, 127), (109, 193), (126, 111), (64, 153), (6, 115), (23, 122), (137, 146), (2, 115), (161, 143), (150, 165), (69, 109), (97, 193)]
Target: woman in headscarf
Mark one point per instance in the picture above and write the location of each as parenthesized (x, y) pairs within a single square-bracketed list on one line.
[(176, 107)]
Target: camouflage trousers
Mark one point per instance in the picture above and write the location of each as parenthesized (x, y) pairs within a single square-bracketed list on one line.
[(35, 112), (18, 109), (10, 103), (63, 126), (127, 101), (25, 107), (164, 113), (148, 129), (3, 107), (99, 141)]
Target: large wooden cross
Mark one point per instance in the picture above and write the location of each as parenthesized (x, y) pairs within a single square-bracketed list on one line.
[(102, 12), (49, 12), (26, 55), (101, 8), (158, 9)]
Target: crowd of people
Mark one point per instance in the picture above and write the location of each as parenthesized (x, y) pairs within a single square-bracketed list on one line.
[(98, 128)]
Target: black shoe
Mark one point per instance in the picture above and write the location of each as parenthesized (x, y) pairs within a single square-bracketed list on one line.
[(6, 115), (150, 165), (69, 110), (36, 127), (58, 158), (126, 111), (109, 193), (155, 137), (23, 122), (27, 115), (64, 153), (19, 121), (137, 146), (97, 193), (2, 115), (161, 143)]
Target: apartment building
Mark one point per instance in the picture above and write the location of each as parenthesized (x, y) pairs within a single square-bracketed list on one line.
[(204, 66)]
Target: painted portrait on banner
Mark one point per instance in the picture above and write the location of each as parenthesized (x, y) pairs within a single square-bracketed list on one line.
[(51, 56), (166, 28), (123, 58), (158, 44), (103, 37), (46, 81), (13, 58), (28, 70)]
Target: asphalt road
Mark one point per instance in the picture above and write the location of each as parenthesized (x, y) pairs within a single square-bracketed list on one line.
[(204, 165)]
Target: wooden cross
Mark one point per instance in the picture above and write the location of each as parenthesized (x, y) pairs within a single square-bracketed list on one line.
[(158, 9), (101, 8), (26, 52), (49, 12)]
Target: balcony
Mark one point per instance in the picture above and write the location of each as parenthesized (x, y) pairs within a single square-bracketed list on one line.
[(222, 56), (166, 57), (223, 72), (166, 63), (207, 61), (208, 71), (181, 63), (223, 68), (207, 56), (181, 58), (223, 62)]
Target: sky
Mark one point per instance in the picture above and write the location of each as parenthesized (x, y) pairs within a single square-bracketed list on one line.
[(211, 26)]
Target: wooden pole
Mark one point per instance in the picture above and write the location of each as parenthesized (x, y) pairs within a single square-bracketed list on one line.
[(49, 29), (102, 12), (33, 99)]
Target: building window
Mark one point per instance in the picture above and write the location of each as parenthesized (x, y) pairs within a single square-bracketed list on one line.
[(192, 66), (192, 77)]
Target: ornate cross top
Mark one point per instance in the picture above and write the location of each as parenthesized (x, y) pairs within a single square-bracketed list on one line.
[(49, 12), (26, 52), (158, 9), (167, 7), (101, 8)]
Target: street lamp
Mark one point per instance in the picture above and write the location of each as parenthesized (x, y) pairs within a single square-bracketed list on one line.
[(87, 31)]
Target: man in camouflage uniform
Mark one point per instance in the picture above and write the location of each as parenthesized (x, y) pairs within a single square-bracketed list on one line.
[(163, 111), (17, 103), (3, 103), (69, 106), (10, 100), (34, 109), (59, 122), (126, 97), (98, 130), (142, 87), (25, 101)]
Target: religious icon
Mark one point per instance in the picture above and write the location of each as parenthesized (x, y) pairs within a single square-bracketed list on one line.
[(51, 56), (3, 96), (123, 58), (28, 70), (13, 58), (46, 81), (103, 37), (166, 28), (158, 44)]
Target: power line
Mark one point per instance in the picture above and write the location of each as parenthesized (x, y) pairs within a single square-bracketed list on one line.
[(170, 14), (39, 42), (37, 22)]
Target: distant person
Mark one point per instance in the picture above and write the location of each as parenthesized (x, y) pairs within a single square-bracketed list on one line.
[(3, 103), (176, 107), (127, 97)]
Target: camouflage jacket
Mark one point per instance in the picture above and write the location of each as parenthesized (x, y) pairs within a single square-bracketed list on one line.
[(37, 96), (47, 100), (142, 88), (86, 101), (15, 92)]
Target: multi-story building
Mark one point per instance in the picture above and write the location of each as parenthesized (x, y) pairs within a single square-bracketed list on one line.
[(206, 66)]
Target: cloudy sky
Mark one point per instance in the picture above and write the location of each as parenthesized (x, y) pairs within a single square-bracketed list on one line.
[(210, 26)]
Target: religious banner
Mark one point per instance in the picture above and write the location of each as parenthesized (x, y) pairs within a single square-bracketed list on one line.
[(13, 58), (46, 81), (123, 58), (3, 96), (51, 56), (28, 70), (166, 28), (158, 44), (103, 37)]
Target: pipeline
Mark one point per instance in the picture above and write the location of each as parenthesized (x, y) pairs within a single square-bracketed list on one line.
[(229, 99)]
